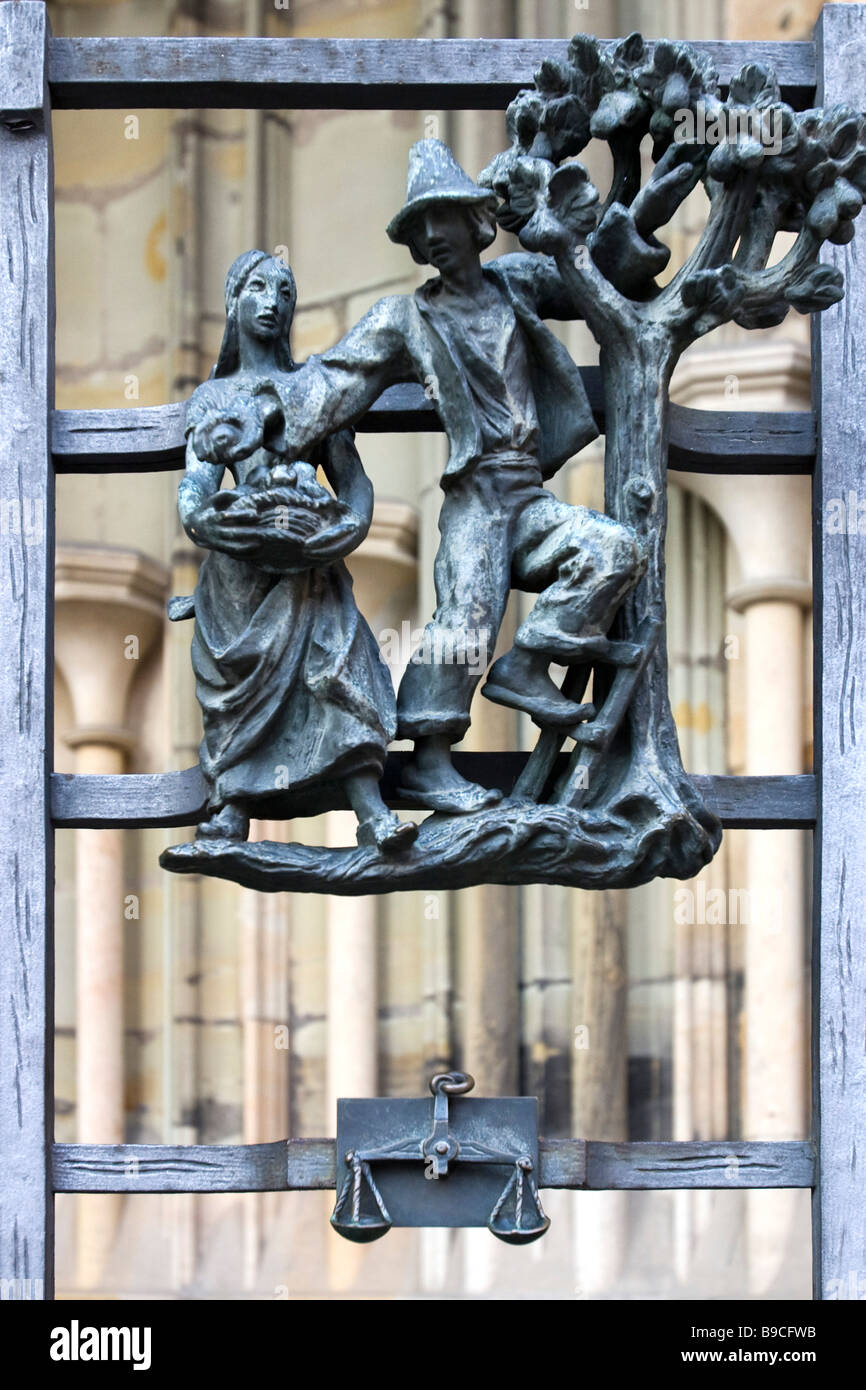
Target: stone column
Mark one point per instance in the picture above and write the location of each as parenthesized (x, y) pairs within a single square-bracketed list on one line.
[(768, 520), (352, 991), (264, 932), (109, 611), (776, 1037)]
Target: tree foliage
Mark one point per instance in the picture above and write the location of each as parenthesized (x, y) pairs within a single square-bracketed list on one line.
[(765, 168)]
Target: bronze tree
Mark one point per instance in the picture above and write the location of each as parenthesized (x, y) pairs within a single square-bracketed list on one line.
[(766, 169)]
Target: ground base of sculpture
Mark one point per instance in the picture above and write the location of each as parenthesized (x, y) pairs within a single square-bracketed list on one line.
[(514, 842)]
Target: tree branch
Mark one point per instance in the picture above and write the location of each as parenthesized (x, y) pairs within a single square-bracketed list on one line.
[(759, 234), (765, 286), (728, 210), (625, 182), (596, 300)]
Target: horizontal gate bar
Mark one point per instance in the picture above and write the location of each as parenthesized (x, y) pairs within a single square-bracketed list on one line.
[(287, 1165), (178, 798), (308, 1164), (645, 1166), (343, 74), (150, 439)]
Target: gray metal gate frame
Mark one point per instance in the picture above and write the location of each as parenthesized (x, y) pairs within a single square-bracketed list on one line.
[(38, 71)]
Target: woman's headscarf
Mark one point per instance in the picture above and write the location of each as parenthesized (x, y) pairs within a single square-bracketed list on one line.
[(239, 272)]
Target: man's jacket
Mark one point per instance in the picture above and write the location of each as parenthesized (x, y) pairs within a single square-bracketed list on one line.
[(397, 341)]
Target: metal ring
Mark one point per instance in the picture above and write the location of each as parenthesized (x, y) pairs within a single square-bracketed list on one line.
[(452, 1083)]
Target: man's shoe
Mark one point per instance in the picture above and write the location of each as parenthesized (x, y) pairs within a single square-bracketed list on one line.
[(546, 713), (520, 680), (454, 801), (459, 798)]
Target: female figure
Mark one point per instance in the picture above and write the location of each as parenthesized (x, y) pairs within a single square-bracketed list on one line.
[(298, 706)]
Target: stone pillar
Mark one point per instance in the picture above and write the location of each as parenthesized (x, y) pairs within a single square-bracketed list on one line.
[(100, 892), (181, 926), (109, 610), (768, 521), (264, 932), (599, 1082), (352, 992), (776, 1035)]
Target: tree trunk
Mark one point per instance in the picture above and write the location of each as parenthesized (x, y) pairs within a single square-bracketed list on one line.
[(646, 788)]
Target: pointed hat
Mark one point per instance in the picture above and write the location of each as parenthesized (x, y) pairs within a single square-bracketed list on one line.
[(434, 177)]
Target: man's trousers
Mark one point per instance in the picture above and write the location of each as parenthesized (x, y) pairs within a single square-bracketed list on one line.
[(500, 530)]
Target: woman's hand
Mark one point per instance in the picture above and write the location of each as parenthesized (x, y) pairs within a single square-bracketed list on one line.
[(241, 506), (336, 541), (212, 528), (295, 525), (276, 536), (342, 466)]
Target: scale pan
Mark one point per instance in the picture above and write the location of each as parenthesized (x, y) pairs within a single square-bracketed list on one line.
[(367, 1229)]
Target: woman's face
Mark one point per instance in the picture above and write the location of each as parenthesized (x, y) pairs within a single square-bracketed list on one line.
[(266, 303)]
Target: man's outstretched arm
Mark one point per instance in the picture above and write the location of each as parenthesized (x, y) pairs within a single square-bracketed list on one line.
[(333, 391)]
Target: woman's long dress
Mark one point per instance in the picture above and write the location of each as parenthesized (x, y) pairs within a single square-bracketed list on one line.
[(294, 694)]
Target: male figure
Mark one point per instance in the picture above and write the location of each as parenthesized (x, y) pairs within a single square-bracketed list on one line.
[(514, 409)]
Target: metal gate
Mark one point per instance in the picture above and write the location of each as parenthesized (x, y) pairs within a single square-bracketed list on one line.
[(38, 72)]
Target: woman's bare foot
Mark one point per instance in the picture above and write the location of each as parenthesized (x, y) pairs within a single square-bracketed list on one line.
[(387, 833), (229, 823), (378, 828)]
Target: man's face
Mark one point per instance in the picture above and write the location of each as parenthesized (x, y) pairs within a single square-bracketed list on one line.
[(444, 234)]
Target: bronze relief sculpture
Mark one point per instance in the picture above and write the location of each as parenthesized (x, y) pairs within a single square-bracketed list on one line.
[(287, 670)]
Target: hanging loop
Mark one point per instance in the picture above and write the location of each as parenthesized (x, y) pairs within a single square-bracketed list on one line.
[(452, 1083)]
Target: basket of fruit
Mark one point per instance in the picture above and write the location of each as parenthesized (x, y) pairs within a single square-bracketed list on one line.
[(279, 516)]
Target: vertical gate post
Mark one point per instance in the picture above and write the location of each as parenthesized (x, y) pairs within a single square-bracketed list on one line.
[(839, 947), (26, 594)]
